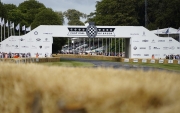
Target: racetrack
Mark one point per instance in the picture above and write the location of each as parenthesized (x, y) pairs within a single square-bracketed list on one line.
[(115, 65)]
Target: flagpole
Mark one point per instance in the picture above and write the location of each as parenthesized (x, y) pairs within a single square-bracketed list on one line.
[(19, 29), (10, 28), (4, 32), (14, 31), (1, 33)]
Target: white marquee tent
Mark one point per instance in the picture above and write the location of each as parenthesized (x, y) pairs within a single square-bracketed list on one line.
[(139, 41)]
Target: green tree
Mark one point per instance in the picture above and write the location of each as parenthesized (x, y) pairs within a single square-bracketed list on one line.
[(116, 12), (3, 11), (47, 17), (30, 8), (74, 16)]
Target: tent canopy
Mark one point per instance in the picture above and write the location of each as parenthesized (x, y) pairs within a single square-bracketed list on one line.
[(169, 30)]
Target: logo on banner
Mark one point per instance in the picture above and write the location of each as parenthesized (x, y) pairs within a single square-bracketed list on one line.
[(24, 46), (46, 40), (146, 54), (144, 33), (144, 40), (165, 48), (91, 31), (149, 47), (172, 47), (135, 48), (142, 47), (170, 40), (161, 40), (156, 48), (16, 46), (46, 47), (30, 40), (21, 39), (153, 41), (178, 47), (36, 33), (34, 47), (136, 54), (38, 39)]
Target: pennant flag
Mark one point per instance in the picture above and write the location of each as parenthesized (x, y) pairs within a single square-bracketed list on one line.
[(7, 25), (28, 28), (12, 25), (23, 28), (167, 31), (2, 23), (17, 27)]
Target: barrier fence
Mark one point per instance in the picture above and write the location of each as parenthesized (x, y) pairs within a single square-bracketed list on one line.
[(120, 59), (30, 60)]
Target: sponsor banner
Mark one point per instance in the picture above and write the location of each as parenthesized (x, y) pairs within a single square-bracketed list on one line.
[(135, 60), (156, 48), (136, 54), (142, 48), (172, 47), (144, 60), (46, 40), (153, 41), (145, 40), (33, 47), (170, 61), (152, 61), (165, 48), (126, 60), (161, 40), (135, 40), (38, 39), (161, 61), (146, 54)]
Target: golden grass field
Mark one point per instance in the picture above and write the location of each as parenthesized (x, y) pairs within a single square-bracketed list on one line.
[(98, 90)]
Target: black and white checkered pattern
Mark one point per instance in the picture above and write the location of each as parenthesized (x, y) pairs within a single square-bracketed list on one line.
[(92, 31)]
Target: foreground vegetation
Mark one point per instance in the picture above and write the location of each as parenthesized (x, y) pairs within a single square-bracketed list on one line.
[(172, 67), (28, 87)]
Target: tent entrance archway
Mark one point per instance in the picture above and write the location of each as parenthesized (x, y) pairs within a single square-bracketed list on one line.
[(99, 46)]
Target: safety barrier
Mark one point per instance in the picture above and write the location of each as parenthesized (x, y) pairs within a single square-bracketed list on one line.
[(159, 61)]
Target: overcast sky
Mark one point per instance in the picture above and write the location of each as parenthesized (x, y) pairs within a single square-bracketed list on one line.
[(84, 6)]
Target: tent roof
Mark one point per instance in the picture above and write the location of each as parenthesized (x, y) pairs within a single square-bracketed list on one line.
[(169, 30)]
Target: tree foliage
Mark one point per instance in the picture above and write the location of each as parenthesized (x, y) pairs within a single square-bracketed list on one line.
[(74, 16), (3, 11), (161, 13), (47, 17), (30, 9)]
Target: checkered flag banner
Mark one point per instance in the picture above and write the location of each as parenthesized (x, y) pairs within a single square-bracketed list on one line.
[(91, 31)]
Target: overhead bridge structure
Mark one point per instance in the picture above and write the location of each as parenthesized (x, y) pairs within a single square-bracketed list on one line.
[(139, 41)]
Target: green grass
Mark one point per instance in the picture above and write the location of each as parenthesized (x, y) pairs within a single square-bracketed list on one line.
[(174, 67), (68, 63)]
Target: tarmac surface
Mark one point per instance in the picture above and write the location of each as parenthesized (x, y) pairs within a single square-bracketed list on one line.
[(115, 65)]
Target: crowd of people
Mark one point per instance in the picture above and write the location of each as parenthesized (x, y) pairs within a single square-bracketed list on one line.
[(173, 57), (14, 55)]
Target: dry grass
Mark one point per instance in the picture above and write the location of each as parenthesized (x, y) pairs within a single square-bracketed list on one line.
[(97, 90)]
